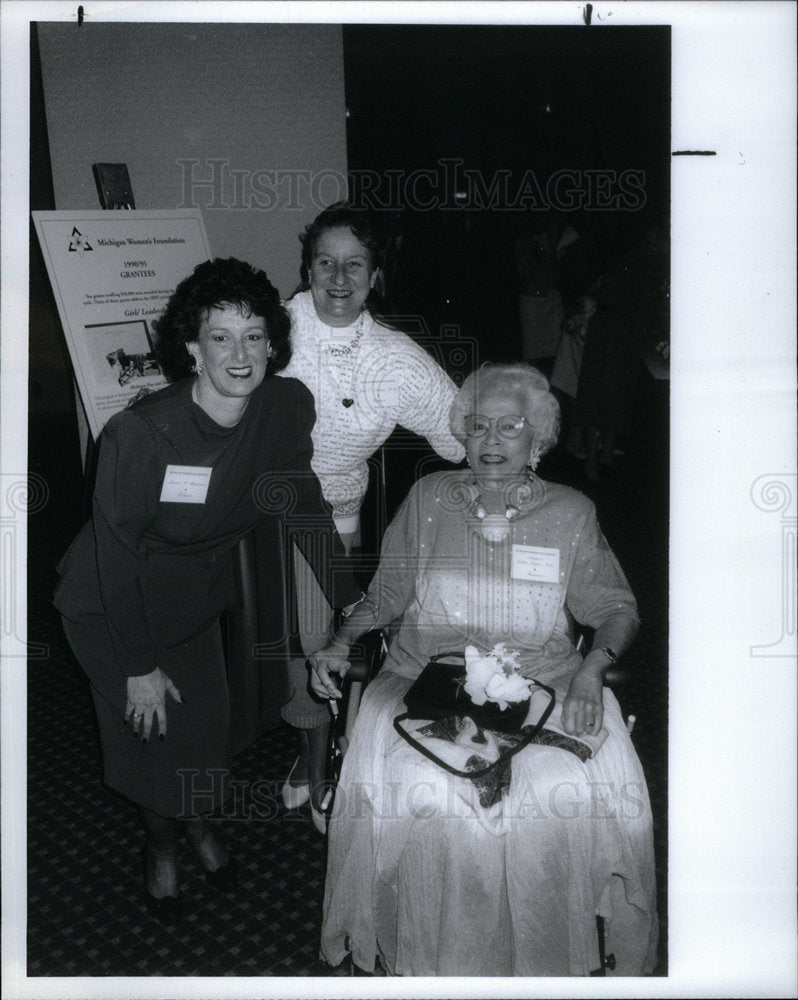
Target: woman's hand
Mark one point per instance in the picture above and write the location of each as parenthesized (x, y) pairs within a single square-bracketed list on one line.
[(333, 658), (583, 708), (146, 698)]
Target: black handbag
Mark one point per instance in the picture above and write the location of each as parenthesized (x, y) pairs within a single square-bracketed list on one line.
[(439, 692)]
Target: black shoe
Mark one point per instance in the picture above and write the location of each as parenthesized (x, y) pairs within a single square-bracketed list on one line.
[(168, 909), (225, 879)]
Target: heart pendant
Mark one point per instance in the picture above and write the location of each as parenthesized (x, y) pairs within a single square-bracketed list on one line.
[(347, 402)]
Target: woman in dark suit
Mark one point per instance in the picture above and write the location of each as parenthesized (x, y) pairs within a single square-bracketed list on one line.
[(183, 475)]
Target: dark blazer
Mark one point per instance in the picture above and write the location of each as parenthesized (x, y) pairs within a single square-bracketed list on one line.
[(157, 571)]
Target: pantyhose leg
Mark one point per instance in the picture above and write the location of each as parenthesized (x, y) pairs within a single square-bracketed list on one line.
[(206, 843), (160, 853)]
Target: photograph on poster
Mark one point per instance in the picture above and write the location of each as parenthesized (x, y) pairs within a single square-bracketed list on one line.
[(558, 195), (135, 360)]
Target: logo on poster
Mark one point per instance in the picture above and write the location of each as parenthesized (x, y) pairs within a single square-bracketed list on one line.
[(78, 242)]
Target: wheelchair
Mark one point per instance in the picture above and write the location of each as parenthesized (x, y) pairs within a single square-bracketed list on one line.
[(364, 667)]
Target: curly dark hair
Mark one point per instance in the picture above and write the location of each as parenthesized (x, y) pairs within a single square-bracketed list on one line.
[(213, 285), (364, 228)]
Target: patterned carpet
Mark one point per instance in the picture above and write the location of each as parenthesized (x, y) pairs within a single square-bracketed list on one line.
[(85, 912)]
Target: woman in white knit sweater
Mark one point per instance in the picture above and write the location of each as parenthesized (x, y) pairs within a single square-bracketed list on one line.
[(366, 380)]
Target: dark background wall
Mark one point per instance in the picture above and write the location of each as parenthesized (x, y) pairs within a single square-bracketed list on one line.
[(183, 104), (458, 135), (455, 135)]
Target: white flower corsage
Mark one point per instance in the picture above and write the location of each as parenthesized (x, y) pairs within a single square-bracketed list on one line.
[(495, 676)]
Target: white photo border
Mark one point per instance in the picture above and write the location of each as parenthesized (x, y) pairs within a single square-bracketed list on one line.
[(732, 762)]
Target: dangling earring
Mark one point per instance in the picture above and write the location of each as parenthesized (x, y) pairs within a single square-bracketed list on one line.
[(534, 458), (197, 366)]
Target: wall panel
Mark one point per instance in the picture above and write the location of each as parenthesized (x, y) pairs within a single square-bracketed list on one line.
[(256, 111)]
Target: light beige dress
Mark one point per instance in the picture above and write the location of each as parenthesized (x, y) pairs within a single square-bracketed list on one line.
[(420, 875)]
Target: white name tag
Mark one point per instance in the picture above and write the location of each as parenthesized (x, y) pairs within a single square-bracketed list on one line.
[(185, 484), (532, 562)]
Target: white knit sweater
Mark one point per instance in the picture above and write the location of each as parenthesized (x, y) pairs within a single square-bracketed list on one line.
[(389, 379)]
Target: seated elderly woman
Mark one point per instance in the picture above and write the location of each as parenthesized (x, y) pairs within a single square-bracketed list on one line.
[(427, 873)]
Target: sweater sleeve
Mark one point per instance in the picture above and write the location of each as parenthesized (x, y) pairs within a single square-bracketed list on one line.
[(426, 396), (393, 588), (125, 503), (597, 588)]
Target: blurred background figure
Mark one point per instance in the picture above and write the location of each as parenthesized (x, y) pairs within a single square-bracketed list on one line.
[(540, 262), (568, 362), (632, 311)]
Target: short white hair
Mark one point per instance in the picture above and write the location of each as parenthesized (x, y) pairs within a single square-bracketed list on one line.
[(541, 409)]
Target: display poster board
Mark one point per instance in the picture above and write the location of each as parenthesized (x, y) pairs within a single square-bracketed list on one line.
[(112, 273)]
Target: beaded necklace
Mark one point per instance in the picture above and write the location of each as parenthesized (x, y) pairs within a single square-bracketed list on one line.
[(344, 350), (517, 498)]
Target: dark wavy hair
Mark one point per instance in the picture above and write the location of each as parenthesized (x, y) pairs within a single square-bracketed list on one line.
[(364, 228), (215, 284)]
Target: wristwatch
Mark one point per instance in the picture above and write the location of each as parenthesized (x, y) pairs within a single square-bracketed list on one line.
[(609, 652)]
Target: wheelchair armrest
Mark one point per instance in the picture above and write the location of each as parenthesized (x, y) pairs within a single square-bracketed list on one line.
[(615, 676), (359, 670), (367, 657)]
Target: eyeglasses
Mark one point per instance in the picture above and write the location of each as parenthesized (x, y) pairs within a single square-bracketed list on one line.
[(508, 426)]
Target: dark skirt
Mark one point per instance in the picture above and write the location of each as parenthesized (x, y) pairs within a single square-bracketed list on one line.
[(187, 773)]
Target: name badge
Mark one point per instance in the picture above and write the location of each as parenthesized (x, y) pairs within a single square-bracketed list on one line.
[(533, 562), (185, 484)]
